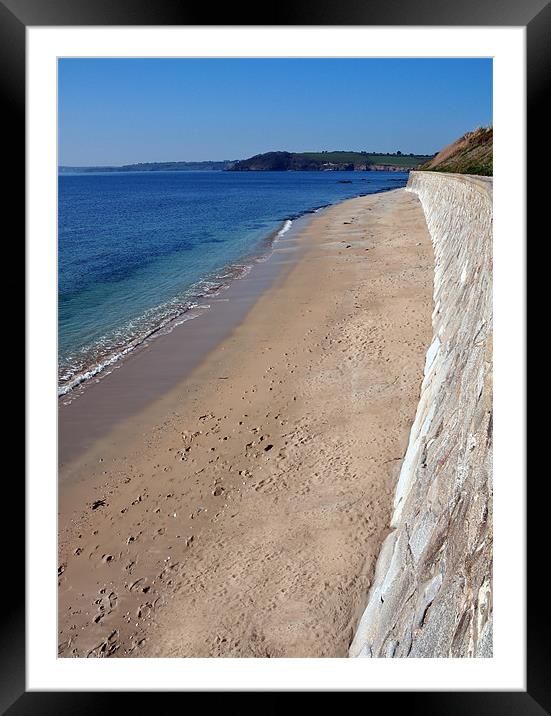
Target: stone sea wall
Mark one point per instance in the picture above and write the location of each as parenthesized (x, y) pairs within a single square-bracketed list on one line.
[(432, 592)]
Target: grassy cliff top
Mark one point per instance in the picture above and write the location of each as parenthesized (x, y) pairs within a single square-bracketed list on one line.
[(470, 154)]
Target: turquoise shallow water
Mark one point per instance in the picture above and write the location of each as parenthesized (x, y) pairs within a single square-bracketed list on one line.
[(140, 251)]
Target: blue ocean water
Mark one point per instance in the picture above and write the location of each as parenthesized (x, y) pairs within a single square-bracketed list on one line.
[(140, 250)]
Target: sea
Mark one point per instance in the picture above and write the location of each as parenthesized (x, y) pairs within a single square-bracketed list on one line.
[(142, 252)]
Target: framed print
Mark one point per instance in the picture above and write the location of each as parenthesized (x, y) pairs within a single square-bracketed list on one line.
[(264, 262)]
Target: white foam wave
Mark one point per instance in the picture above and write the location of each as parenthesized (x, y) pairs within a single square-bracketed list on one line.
[(116, 356), (284, 229)]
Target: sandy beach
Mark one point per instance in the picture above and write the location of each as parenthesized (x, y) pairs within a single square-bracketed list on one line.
[(239, 512)]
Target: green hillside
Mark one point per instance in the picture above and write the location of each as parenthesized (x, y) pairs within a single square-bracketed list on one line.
[(327, 161)]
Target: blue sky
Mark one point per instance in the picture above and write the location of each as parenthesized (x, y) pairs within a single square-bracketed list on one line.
[(121, 111)]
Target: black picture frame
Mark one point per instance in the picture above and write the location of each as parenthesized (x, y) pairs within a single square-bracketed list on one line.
[(15, 16)]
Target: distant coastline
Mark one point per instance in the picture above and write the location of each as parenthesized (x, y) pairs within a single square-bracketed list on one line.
[(277, 161), (470, 154), (330, 161), (151, 167)]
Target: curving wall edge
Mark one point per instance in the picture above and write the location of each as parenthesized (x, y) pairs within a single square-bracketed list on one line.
[(432, 591)]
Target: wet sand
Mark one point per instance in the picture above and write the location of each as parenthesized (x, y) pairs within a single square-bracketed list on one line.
[(240, 512)]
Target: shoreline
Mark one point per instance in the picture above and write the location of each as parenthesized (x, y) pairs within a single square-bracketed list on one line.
[(149, 371), (75, 385), (240, 513), (90, 409), (240, 268)]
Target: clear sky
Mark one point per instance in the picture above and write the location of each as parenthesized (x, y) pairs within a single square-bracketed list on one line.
[(122, 111)]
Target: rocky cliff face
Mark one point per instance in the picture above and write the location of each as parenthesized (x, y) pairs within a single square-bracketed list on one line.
[(432, 593), (385, 168)]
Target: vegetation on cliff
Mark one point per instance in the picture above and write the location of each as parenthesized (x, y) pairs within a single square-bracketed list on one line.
[(470, 154)]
